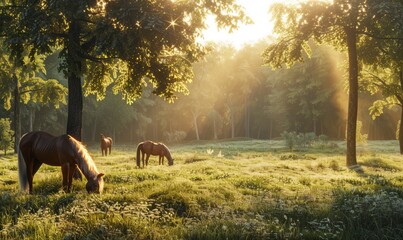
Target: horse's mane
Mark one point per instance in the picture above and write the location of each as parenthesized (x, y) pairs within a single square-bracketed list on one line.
[(85, 162), (166, 148)]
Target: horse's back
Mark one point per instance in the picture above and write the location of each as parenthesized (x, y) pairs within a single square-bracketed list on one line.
[(106, 142), (30, 139), (148, 145), (45, 147), (153, 148)]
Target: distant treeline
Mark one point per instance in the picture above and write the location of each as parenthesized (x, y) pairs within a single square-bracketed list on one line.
[(232, 95)]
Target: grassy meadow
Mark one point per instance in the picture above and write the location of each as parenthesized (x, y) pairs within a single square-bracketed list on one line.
[(245, 189)]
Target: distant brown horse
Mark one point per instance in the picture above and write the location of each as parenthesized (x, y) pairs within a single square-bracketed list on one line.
[(151, 148), (36, 148), (106, 143)]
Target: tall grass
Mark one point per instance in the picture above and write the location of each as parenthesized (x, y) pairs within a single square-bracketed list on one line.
[(216, 190)]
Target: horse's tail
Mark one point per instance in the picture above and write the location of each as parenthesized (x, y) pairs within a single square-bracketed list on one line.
[(22, 172), (138, 154), (110, 139)]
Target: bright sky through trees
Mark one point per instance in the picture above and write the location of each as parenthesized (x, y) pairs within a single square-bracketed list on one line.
[(258, 11)]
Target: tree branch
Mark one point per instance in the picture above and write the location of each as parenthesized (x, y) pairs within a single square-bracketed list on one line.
[(380, 38), (95, 59), (377, 78)]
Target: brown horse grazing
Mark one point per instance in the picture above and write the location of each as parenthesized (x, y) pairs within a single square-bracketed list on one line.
[(36, 148), (151, 148), (106, 143)]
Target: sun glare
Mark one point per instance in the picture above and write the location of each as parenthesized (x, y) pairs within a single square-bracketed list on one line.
[(172, 24), (262, 27)]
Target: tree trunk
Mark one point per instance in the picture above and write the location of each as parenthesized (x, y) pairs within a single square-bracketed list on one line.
[(31, 119), (94, 129), (314, 125), (351, 156), (155, 130), (16, 120), (75, 95), (401, 132), (215, 128), (232, 124), (114, 135), (195, 125), (401, 116), (247, 119), (271, 129)]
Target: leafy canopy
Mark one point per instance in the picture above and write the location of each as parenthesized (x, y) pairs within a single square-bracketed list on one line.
[(130, 43), (27, 78)]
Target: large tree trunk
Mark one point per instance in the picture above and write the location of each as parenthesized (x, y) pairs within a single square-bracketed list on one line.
[(401, 132), (75, 95), (352, 97), (16, 120), (401, 116), (94, 128)]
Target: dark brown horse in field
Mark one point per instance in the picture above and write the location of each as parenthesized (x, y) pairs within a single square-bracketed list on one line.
[(36, 148), (151, 148), (106, 143)]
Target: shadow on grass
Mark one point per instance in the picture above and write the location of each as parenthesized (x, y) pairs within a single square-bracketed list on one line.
[(368, 214), (373, 212), (47, 187), (379, 163)]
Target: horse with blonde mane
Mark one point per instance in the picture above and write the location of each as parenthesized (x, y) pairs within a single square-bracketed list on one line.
[(106, 143), (151, 148), (36, 148)]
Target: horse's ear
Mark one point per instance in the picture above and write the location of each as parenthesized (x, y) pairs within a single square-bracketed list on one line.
[(100, 175)]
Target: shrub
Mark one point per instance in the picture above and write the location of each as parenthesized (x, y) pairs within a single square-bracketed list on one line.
[(290, 139), (175, 136), (361, 138), (294, 139), (6, 135)]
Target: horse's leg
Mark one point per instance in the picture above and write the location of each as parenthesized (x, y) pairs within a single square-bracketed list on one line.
[(70, 177), (142, 158), (36, 166), (162, 159), (102, 150), (110, 149), (30, 174), (147, 157), (65, 173)]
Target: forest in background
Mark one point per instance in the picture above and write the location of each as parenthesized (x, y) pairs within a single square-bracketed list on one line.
[(233, 95)]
